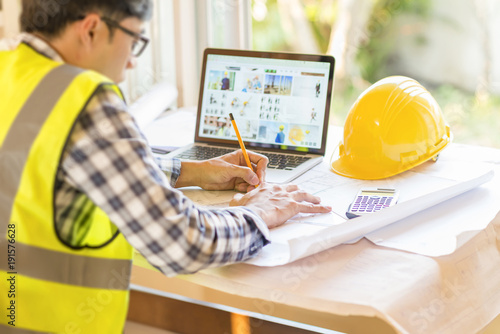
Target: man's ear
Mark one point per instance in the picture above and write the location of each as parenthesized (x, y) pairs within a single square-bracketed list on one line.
[(89, 30)]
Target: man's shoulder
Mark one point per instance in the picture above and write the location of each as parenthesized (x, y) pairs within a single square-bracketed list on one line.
[(97, 77), (100, 84), (107, 97)]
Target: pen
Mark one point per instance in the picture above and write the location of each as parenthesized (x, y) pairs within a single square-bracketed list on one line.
[(242, 145)]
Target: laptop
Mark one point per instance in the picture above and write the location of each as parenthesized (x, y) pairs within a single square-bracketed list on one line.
[(280, 102)]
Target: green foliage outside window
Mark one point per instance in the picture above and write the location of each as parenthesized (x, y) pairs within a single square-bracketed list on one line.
[(474, 117)]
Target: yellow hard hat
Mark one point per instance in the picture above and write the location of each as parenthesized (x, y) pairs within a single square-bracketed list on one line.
[(393, 126), (296, 134)]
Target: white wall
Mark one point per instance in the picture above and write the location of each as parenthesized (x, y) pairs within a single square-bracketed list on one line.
[(9, 23)]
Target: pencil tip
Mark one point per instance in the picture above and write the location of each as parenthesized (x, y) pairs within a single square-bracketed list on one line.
[(231, 116)]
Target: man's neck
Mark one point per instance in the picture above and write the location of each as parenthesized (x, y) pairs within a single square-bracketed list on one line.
[(54, 44)]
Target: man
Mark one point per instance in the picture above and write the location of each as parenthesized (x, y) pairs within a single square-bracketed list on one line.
[(257, 86), (79, 187), (280, 137), (222, 127), (225, 82)]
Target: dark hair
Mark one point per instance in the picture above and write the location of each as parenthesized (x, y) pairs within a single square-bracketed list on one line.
[(50, 17)]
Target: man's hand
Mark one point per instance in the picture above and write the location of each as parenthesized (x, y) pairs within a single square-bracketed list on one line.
[(225, 172), (275, 204)]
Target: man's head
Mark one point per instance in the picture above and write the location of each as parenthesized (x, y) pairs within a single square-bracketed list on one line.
[(92, 34)]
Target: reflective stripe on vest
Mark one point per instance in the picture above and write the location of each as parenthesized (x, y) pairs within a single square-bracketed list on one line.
[(45, 264), (15, 148), (55, 288)]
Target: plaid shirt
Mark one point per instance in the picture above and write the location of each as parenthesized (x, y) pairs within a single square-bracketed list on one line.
[(107, 162)]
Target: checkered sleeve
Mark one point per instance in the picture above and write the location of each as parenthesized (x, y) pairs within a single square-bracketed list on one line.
[(109, 160), (171, 168)]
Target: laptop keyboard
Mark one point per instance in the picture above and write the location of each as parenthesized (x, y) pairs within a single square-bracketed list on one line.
[(284, 161), (276, 160), (203, 153)]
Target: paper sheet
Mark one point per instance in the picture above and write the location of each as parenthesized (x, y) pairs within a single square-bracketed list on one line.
[(442, 229), (418, 192), (154, 102), (420, 189), (159, 133)]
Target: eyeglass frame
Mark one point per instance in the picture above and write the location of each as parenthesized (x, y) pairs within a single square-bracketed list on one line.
[(137, 36)]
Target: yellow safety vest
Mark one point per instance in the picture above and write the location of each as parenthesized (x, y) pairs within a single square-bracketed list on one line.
[(45, 285)]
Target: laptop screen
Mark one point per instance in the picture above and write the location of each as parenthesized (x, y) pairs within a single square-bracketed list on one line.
[(279, 100)]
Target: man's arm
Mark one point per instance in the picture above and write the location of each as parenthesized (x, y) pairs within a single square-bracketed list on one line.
[(109, 160)]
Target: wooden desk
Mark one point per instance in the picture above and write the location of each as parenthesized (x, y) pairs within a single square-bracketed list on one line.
[(463, 287), (305, 291)]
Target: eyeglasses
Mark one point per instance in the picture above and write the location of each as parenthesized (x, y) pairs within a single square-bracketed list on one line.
[(140, 41)]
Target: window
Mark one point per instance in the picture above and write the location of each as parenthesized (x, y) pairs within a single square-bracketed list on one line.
[(157, 63), (450, 47), (9, 12), (202, 24)]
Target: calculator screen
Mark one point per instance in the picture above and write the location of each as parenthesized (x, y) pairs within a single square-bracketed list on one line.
[(377, 193)]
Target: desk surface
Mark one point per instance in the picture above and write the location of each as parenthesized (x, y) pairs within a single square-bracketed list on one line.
[(353, 288)]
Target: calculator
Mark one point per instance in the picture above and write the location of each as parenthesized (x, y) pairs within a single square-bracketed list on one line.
[(369, 200)]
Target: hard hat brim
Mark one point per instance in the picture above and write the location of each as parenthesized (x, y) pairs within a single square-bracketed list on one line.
[(345, 166)]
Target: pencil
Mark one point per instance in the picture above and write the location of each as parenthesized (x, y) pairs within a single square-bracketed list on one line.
[(242, 145)]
